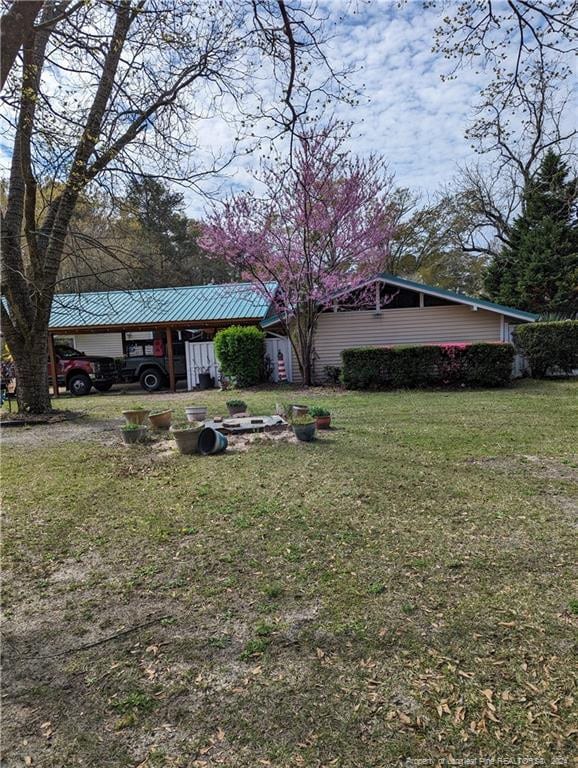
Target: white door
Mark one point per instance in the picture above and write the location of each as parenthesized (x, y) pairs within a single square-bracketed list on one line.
[(201, 358)]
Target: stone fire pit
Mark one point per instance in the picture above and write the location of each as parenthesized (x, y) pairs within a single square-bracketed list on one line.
[(237, 425)]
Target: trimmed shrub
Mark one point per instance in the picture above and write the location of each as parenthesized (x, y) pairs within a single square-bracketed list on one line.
[(473, 365), (487, 365), (549, 346), (240, 352), (415, 366)]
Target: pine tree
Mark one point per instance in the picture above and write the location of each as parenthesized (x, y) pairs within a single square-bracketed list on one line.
[(538, 270), (165, 239)]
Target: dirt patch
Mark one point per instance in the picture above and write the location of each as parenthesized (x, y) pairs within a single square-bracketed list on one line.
[(100, 430), (538, 466), (568, 506), (241, 443), (166, 447), (52, 417)]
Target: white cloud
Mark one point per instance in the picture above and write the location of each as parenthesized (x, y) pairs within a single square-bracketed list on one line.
[(406, 112)]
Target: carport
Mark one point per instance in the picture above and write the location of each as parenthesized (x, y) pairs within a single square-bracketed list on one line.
[(205, 308)]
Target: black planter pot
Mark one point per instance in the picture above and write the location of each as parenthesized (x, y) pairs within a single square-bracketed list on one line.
[(205, 381)]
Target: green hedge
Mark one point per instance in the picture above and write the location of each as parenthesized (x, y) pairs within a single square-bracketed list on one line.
[(240, 352), (471, 365), (549, 346)]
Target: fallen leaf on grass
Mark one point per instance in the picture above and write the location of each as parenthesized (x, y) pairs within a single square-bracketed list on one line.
[(459, 715)]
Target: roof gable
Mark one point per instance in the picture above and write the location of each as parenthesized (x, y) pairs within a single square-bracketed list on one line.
[(460, 298)]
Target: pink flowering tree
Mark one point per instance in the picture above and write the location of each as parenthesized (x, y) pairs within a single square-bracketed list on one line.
[(321, 228)]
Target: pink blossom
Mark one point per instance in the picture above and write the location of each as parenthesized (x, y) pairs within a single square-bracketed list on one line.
[(323, 227)]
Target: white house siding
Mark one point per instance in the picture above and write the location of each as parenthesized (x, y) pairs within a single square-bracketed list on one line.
[(106, 344), (337, 331)]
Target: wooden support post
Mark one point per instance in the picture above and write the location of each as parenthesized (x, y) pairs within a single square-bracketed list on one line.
[(171, 361), (53, 370)]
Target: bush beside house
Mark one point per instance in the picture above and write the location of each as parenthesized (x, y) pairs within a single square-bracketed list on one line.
[(472, 365), (549, 347), (240, 350)]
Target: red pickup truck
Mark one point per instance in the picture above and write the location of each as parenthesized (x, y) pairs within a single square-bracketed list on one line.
[(79, 372)]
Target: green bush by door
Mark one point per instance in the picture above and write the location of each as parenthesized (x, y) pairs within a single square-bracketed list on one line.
[(240, 352)]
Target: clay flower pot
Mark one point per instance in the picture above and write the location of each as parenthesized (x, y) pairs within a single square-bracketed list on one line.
[(161, 420), (136, 415), (187, 438), (298, 411), (323, 422)]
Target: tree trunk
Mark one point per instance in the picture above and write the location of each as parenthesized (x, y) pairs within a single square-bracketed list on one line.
[(301, 336), (16, 24), (305, 360), (307, 373), (31, 363)]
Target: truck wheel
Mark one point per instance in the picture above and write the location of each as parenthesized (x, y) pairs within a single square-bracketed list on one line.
[(151, 379), (103, 386), (79, 384)]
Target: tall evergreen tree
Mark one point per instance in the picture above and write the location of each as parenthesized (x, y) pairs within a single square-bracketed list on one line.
[(165, 240), (538, 270)]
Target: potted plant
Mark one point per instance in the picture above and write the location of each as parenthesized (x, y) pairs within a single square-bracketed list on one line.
[(297, 411), (196, 412), (322, 416), (304, 428), (236, 406), (136, 414), (186, 436), (161, 419), (133, 433)]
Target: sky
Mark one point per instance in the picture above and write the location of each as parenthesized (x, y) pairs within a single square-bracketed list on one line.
[(406, 113)]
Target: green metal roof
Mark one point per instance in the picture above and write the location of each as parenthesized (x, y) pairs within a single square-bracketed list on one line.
[(189, 304), (442, 293)]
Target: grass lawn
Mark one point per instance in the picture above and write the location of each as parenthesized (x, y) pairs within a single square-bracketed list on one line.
[(401, 588)]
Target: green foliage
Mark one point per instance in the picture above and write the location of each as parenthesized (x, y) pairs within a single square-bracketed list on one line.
[(158, 242), (332, 374), (472, 365), (549, 346), (264, 629), (255, 647), (132, 427), (273, 591), (488, 365), (538, 270), (137, 701), (236, 404), (240, 351), (302, 421), (160, 409), (181, 425), (318, 412)]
